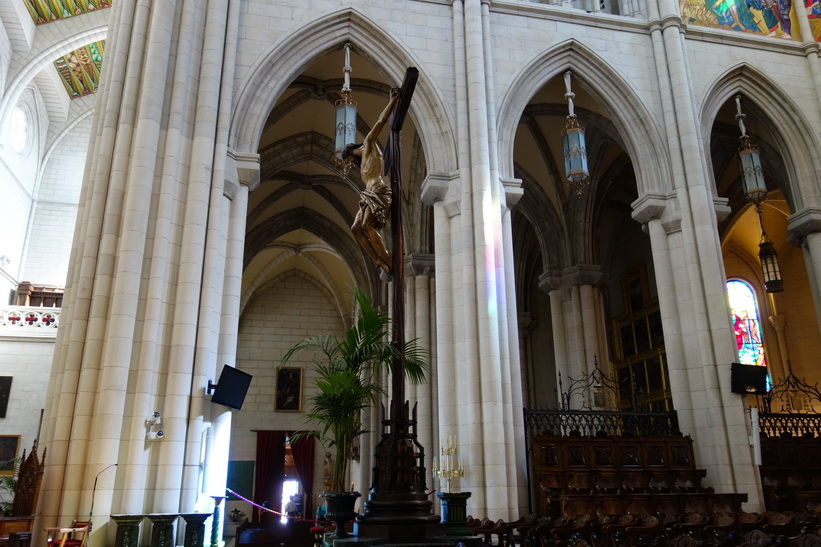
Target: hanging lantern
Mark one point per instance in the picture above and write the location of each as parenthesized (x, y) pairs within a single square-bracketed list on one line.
[(749, 162), (575, 153), (752, 179), (345, 130), (769, 265)]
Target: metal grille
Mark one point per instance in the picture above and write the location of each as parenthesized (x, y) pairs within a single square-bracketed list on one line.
[(796, 425), (592, 422)]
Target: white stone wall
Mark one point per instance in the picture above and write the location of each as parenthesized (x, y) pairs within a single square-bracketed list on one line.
[(18, 172), (28, 362), (280, 316), (54, 213)]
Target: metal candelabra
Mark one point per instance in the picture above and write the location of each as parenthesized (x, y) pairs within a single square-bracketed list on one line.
[(452, 467)]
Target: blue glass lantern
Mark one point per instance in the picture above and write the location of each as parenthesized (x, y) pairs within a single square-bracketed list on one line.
[(345, 130), (749, 162), (749, 165), (752, 179), (345, 123), (575, 153), (575, 156)]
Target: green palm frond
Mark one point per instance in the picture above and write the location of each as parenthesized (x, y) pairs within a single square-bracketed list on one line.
[(347, 378)]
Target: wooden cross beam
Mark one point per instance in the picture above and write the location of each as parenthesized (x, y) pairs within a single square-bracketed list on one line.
[(393, 167)]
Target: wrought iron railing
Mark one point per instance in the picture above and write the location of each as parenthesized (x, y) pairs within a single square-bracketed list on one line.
[(588, 407), (791, 395), (597, 422), (795, 425), (792, 406)]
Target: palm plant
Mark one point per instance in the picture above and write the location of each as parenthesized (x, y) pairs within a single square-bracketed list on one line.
[(348, 379), (8, 485)]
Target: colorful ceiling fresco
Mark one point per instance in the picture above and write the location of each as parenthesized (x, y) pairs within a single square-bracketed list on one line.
[(80, 69), (46, 11), (776, 18)]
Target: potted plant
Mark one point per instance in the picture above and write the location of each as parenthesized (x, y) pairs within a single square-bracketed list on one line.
[(347, 381)]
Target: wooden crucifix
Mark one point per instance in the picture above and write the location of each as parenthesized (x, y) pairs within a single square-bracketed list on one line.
[(397, 504)]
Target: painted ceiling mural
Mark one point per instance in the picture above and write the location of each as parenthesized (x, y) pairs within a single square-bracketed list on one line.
[(79, 70), (775, 18), (46, 11)]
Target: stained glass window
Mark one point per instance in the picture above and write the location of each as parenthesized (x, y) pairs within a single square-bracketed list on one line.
[(746, 324)]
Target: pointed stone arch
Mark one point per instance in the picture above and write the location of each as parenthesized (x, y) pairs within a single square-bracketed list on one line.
[(796, 141), (290, 56), (347, 248), (42, 58), (643, 140)]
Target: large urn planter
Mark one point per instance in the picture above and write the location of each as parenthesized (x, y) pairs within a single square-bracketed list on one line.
[(340, 510)]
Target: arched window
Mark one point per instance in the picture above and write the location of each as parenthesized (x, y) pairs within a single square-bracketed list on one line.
[(746, 323), (20, 136)]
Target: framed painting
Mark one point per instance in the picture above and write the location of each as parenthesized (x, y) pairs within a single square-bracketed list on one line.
[(634, 289), (5, 392), (288, 389), (9, 445)]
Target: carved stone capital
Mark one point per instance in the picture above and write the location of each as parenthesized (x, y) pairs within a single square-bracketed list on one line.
[(241, 169), (803, 223), (656, 206), (420, 264), (435, 186), (513, 191), (574, 276)]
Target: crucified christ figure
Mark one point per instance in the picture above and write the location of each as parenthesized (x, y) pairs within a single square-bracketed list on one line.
[(375, 200)]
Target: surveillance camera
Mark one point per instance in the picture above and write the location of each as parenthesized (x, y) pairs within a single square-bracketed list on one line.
[(160, 434), (156, 414)]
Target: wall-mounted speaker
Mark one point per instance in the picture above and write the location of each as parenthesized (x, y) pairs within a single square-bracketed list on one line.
[(748, 379), (231, 387)]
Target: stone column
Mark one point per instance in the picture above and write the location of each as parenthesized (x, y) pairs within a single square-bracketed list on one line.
[(804, 228), (147, 265), (700, 379), (577, 313), (424, 320), (476, 352)]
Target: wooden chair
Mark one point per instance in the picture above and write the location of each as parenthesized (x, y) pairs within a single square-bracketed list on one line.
[(26, 493), (648, 532), (74, 536), (683, 540), (579, 528), (723, 531), (806, 540)]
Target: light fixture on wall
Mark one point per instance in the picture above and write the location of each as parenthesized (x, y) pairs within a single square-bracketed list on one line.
[(755, 189), (575, 154), (345, 129), (151, 424)]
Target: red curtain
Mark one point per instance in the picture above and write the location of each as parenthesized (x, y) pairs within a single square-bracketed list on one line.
[(303, 452), (270, 470)]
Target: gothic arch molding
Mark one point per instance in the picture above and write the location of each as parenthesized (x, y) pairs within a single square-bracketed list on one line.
[(266, 232), (258, 285), (289, 57), (642, 138), (797, 142), (36, 62)]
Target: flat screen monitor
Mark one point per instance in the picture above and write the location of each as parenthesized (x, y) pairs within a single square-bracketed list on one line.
[(231, 387), (748, 379)]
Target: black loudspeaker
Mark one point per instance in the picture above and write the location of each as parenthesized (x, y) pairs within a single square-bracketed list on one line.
[(231, 387), (748, 379)]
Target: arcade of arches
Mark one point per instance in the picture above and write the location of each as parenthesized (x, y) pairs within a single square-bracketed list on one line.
[(191, 208)]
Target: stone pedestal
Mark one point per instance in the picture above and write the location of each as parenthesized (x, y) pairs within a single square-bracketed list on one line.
[(194, 528), (128, 530), (162, 529), (454, 513)]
